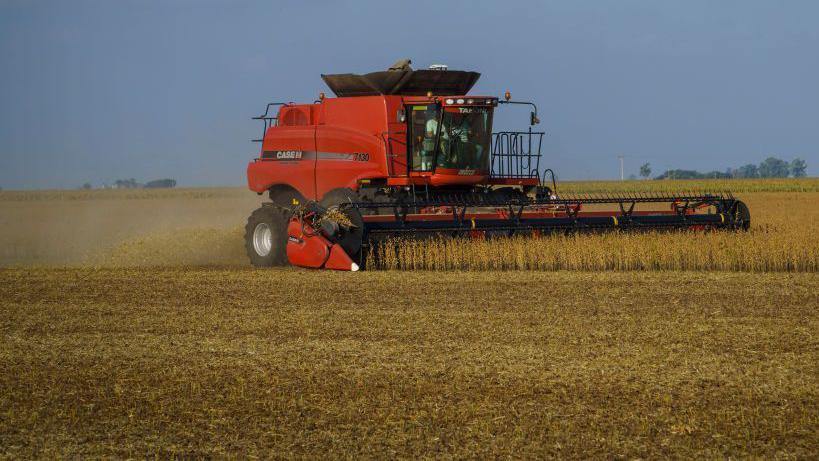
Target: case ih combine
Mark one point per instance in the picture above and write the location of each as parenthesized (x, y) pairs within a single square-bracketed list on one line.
[(410, 153)]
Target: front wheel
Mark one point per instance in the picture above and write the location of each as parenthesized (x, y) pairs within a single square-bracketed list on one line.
[(741, 215), (266, 236)]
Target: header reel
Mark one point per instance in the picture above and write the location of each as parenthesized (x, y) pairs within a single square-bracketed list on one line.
[(338, 237)]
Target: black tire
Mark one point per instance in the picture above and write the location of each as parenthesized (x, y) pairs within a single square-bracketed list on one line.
[(741, 216), (270, 218), (506, 194), (286, 197), (352, 241), (347, 195), (338, 196)]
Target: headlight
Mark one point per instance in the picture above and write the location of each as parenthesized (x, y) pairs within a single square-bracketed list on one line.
[(470, 101), (450, 101), (460, 101)]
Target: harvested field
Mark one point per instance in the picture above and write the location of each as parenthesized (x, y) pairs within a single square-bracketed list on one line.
[(241, 363), (131, 326)]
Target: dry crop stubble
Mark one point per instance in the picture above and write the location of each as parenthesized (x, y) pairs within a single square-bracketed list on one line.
[(295, 363), (131, 359)]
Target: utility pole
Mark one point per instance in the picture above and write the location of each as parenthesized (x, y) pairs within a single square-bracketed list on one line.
[(622, 174)]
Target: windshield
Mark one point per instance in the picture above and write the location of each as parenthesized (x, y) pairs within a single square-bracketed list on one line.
[(458, 138), (464, 140)]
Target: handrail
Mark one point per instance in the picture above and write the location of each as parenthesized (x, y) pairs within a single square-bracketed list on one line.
[(515, 154), (268, 120), (267, 109), (554, 181), (386, 138)]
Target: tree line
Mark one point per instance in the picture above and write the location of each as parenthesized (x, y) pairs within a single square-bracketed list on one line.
[(132, 183), (771, 167)]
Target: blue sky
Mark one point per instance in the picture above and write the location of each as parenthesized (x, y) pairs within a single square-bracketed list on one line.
[(97, 90)]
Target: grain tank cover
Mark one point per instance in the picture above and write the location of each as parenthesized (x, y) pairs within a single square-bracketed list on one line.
[(403, 82)]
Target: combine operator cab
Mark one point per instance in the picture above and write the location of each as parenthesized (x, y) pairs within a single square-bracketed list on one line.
[(450, 139), (410, 152)]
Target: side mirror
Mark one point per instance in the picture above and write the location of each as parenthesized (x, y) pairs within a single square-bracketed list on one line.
[(533, 120)]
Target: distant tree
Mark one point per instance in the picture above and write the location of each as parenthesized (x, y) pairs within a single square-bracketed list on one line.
[(161, 184), (126, 183), (680, 174), (693, 174), (773, 167), (799, 168), (645, 170), (746, 171), (632, 177), (87, 186), (716, 175)]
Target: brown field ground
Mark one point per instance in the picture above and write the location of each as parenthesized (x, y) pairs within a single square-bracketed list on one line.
[(131, 326), (215, 362)]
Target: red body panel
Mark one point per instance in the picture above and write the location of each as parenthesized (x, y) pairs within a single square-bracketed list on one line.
[(308, 248), (299, 173), (339, 260), (304, 251), (349, 141), (337, 142)]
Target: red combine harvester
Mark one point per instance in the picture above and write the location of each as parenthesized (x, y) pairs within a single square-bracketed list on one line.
[(408, 152)]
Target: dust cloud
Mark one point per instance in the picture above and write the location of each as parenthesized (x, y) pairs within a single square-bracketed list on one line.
[(125, 228)]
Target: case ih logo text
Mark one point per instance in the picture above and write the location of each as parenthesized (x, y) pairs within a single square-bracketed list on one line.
[(471, 110), (288, 155)]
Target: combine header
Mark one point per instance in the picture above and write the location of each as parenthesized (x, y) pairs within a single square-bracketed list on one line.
[(409, 153)]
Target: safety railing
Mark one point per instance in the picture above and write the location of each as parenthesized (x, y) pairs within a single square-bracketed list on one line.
[(268, 119), (516, 154)]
